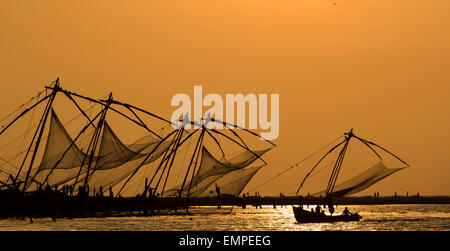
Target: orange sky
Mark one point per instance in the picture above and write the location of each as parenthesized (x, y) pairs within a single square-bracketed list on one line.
[(381, 67)]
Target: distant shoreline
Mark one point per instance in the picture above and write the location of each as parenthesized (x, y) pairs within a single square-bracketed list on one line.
[(386, 200), (290, 200)]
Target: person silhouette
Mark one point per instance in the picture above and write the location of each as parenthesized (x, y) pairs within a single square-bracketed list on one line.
[(346, 212)]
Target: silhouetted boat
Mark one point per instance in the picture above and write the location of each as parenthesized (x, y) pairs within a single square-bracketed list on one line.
[(304, 216), (356, 184)]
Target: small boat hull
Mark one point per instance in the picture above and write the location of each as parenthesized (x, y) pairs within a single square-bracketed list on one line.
[(303, 216)]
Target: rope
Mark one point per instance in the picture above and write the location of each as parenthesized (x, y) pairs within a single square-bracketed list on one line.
[(22, 106), (21, 135), (312, 175), (136, 184), (161, 132), (184, 160), (24, 135), (295, 165), (22, 145)]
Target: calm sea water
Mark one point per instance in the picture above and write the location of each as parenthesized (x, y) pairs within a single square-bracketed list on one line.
[(378, 218)]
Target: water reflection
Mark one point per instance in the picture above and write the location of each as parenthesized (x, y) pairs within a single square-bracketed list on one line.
[(378, 217)]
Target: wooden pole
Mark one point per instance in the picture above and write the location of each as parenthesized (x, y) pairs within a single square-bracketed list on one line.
[(96, 138), (190, 164), (143, 162), (336, 169), (314, 167), (41, 130), (196, 161), (171, 162), (87, 150), (167, 160)]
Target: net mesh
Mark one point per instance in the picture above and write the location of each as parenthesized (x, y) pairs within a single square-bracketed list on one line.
[(362, 181), (59, 143), (212, 169), (116, 161), (210, 166), (61, 155), (234, 182), (63, 161)]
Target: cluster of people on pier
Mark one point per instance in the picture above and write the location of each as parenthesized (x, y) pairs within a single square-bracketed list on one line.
[(83, 191)]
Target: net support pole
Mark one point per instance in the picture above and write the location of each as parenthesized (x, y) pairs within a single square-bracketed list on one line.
[(41, 131), (104, 103), (336, 169), (239, 144), (96, 139), (142, 122), (86, 155), (196, 161), (190, 163), (217, 142), (172, 160), (31, 145), (371, 143), (145, 159), (91, 121), (314, 167), (226, 124), (167, 159)]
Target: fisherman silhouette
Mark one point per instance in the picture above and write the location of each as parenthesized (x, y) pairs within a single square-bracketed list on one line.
[(346, 212)]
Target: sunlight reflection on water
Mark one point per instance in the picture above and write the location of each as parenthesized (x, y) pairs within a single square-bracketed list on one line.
[(375, 217)]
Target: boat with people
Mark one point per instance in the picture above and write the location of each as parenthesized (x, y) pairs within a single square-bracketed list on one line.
[(354, 185), (305, 216)]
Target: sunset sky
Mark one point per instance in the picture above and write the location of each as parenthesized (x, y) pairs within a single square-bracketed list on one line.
[(381, 67)]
